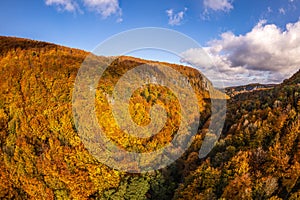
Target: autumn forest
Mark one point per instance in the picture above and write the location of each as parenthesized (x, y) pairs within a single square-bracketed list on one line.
[(42, 155)]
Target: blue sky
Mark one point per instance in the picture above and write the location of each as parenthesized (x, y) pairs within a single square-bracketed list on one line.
[(220, 26)]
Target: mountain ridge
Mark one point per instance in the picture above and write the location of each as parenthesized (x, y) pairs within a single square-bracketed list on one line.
[(235, 90)]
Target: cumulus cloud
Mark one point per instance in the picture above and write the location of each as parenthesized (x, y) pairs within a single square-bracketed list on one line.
[(63, 5), (105, 8), (265, 54), (218, 5), (175, 18)]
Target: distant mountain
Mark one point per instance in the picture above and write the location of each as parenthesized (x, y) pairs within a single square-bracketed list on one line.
[(232, 91), (235, 90)]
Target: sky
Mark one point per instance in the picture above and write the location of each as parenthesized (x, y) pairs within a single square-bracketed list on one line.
[(248, 41)]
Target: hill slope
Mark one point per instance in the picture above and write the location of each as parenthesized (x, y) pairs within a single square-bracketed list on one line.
[(43, 157), (41, 154), (258, 156), (295, 79)]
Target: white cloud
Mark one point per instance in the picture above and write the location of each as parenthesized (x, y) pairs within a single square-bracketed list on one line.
[(104, 7), (63, 5), (265, 54), (218, 5), (281, 11), (269, 9), (175, 18)]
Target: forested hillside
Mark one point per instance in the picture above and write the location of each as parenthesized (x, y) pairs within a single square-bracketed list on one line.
[(258, 154), (43, 157)]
